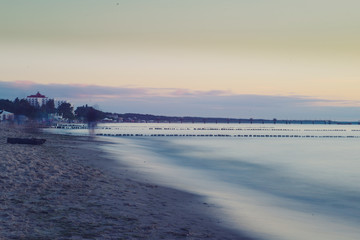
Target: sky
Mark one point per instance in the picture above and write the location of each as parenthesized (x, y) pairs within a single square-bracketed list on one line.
[(232, 58)]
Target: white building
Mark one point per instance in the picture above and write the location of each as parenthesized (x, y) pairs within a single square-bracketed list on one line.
[(37, 100), (57, 103), (4, 115)]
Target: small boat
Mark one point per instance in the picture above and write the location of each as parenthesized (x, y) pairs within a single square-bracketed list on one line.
[(32, 141)]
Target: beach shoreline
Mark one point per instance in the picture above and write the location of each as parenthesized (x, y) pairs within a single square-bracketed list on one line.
[(68, 188)]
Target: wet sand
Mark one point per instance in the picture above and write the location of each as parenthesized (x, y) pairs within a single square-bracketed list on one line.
[(68, 188)]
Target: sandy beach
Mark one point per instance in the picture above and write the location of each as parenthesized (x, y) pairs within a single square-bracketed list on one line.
[(68, 188)]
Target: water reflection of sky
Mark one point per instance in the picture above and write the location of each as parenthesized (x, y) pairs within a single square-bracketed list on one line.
[(266, 167), (279, 188), (265, 180)]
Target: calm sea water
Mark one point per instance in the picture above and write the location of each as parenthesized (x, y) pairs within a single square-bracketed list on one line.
[(296, 182)]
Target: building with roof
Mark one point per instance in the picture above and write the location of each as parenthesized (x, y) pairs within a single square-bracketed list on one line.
[(6, 116), (37, 100)]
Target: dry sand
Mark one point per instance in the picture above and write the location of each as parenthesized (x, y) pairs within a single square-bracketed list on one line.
[(69, 189)]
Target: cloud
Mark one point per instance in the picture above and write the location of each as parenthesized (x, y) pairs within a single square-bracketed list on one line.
[(186, 102), (78, 91)]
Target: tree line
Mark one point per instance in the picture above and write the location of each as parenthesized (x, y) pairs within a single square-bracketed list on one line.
[(88, 113), (23, 107)]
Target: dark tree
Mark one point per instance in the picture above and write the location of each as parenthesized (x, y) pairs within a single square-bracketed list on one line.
[(86, 112), (6, 105), (66, 110), (49, 107), (23, 107)]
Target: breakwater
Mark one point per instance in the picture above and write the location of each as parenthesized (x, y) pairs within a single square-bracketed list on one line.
[(216, 130)]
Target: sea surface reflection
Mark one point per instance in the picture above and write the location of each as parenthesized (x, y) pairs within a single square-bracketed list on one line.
[(273, 187)]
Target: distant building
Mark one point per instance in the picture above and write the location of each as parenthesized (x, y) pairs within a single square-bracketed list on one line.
[(57, 103), (37, 100), (6, 116)]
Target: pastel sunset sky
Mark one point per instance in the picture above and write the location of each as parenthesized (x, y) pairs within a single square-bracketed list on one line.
[(232, 58)]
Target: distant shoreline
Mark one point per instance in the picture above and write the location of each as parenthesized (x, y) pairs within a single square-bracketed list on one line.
[(149, 118)]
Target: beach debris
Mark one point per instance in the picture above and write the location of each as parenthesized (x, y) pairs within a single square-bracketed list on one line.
[(32, 141)]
